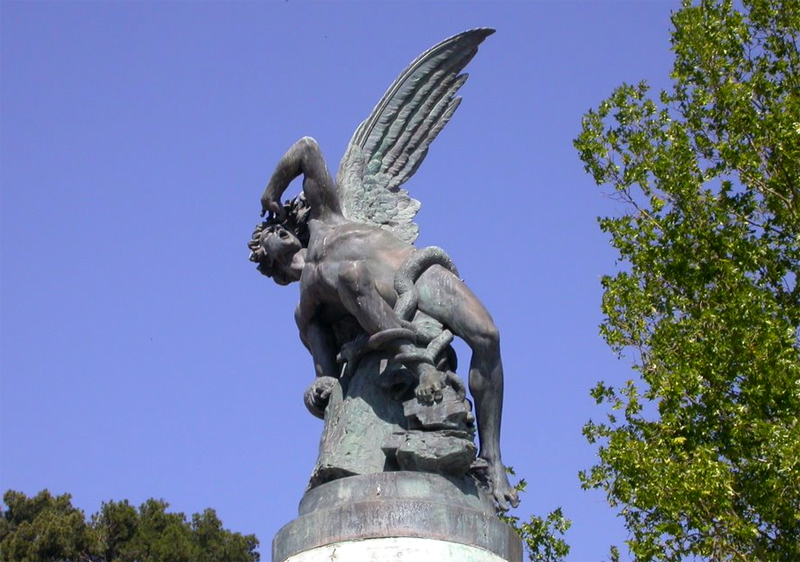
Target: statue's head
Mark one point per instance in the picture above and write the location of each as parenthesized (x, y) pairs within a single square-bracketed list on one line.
[(277, 252), (278, 246)]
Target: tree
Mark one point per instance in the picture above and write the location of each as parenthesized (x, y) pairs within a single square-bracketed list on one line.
[(43, 528), (49, 529), (701, 451), (540, 535)]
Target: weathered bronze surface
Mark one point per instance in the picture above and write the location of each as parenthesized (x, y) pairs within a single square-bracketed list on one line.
[(399, 504), (376, 313)]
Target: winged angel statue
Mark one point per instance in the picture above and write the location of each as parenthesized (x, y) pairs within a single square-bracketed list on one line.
[(363, 285)]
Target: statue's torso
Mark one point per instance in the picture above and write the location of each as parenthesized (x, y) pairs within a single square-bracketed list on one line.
[(332, 248)]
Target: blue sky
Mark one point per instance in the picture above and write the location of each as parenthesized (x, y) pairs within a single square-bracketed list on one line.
[(141, 354)]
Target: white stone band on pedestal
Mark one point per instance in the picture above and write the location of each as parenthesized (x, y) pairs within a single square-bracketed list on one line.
[(396, 549)]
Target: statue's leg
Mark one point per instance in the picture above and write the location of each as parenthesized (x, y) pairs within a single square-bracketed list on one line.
[(445, 297)]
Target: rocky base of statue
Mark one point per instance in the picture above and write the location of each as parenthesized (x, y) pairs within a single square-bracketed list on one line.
[(392, 516), (374, 423)]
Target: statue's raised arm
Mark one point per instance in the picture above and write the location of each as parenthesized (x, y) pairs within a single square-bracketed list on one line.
[(366, 291), (303, 158)]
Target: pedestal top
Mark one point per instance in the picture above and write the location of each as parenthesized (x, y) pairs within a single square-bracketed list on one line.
[(397, 504)]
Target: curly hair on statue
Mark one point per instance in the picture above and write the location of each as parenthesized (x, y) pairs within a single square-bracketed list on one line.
[(295, 221)]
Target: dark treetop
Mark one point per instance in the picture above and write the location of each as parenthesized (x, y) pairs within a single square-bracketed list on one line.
[(376, 313)]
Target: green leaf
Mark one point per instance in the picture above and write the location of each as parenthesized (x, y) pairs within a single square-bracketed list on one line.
[(700, 452)]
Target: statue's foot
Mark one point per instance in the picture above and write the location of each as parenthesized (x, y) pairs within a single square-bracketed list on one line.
[(493, 476), (430, 386), (504, 493)]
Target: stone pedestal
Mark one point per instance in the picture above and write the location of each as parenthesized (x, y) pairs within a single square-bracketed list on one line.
[(394, 516)]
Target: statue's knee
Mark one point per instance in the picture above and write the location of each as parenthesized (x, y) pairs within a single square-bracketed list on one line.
[(488, 338)]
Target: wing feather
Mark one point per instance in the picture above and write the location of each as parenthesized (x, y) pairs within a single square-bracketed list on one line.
[(389, 146)]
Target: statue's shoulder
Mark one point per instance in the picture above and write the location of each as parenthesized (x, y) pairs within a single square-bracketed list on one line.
[(345, 231)]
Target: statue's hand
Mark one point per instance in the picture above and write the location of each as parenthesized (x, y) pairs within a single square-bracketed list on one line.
[(317, 395), (272, 205)]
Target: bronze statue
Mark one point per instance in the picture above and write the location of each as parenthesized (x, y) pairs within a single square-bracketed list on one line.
[(363, 285)]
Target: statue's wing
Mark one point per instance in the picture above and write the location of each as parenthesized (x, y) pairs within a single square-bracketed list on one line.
[(389, 146)]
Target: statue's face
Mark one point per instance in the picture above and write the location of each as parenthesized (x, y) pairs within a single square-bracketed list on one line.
[(282, 247)]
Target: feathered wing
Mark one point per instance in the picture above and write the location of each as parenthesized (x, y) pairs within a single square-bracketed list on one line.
[(388, 147)]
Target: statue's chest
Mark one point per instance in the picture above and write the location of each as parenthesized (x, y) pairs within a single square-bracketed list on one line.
[(319, 283)]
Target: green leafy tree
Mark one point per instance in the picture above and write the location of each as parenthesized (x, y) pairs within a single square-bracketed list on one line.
[(701, 451), (43, 528), (49, 529), (215, 543), (540, 535)]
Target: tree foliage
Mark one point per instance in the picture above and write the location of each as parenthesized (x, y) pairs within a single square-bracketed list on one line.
[(44, 528), (540, 535), (701, 452)]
